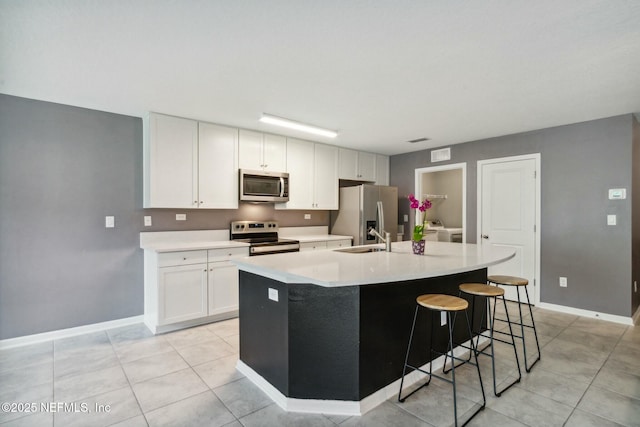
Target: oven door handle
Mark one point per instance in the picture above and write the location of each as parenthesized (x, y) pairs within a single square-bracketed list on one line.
[(274, 248)]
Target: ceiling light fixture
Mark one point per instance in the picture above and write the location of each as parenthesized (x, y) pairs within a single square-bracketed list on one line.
[(279, 121)]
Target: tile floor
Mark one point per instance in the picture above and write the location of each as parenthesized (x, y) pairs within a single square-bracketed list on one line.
[(589, 375)]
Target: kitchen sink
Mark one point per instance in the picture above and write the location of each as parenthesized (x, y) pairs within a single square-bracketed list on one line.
[(359, 250)]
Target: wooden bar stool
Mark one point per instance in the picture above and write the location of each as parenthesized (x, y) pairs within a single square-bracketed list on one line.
[(489, 292), (519, 282), (437, 303)]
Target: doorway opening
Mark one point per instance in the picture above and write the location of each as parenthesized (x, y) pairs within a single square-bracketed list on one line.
[(445, 186)]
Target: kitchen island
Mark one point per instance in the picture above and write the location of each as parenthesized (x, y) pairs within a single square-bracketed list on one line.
[(326, 331)]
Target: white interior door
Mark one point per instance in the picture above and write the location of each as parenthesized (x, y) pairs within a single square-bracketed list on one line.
[(507, 202)]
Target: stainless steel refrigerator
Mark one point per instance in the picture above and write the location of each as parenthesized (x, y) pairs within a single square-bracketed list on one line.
[(365, 206)]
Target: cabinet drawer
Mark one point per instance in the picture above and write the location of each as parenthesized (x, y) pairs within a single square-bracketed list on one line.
[(227, 253), (311, 246), (331, 244), (168, 259)]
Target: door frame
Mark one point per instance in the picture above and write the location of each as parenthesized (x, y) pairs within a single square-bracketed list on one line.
[(453, 166), (538, 226)]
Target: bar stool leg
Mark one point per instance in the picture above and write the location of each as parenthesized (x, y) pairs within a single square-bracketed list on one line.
[(406, 359), (474, 350), (535, 334), (513, 343)]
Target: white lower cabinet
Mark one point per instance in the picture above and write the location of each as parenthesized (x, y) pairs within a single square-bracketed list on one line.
[(222, 287), (182, 293), (188, 288)]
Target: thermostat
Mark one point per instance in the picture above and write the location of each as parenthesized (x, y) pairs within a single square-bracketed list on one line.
[(617, 193)]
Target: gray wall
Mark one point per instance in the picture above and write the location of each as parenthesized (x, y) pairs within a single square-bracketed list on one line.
[(579, 163), (62, 170)]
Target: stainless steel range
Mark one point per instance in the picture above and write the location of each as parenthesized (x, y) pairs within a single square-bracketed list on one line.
[(262, 237)]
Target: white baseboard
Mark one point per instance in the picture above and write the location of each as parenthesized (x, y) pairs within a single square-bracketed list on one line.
[(588, 313), (70, 332), (342, 407)]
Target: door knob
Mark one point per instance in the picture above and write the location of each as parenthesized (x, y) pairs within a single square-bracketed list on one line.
[(484, 236)]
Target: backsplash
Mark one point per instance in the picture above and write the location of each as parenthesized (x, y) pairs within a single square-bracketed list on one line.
[(219, 219)]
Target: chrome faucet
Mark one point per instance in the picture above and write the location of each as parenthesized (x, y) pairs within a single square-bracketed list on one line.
[(386, 240)]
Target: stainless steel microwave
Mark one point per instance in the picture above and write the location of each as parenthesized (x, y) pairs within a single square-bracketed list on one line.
[(263, 186)]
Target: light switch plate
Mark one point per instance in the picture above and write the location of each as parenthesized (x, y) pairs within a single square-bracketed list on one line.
[(147, 221), (109, 221), (617, 193), (443, 318), (611, 219), (273, 294), (406, 218), (307, 216), (181, 217)]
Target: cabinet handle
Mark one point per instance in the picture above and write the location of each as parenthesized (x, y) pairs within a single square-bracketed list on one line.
[(195, 202), (484, 236), (184, 259), (201, 202)]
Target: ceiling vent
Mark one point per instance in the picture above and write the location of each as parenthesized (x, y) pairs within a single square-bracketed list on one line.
[(441, 155), (415, 141)]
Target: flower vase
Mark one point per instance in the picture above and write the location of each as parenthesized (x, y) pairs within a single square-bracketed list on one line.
[(418, 247)]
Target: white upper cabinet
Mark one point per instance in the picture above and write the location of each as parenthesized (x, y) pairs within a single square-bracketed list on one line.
[(313, 176), (326, 177), (218, 167), (190, 164), (382, 169), (171, 158), (357, 165), (261, 151), (300, 159)]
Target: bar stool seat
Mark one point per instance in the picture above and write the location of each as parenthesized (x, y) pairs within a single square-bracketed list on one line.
[(519, 282), (489, 292), (441, 303)]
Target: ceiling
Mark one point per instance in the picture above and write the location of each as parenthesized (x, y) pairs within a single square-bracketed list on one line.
[(379, 72)]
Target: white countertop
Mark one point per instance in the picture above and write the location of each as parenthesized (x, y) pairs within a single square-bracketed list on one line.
[(330, 268), (175, 241)]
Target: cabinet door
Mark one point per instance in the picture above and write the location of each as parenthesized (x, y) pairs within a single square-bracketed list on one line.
[(218, 167), (325, 177), (382, 169), (182, 293), (250, 145), (171, 156), (223, 287), (274, 152), (366, 166), (348, 164), (300, 155)]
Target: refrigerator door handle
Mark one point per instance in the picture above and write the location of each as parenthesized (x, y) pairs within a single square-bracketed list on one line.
[(380, 217)]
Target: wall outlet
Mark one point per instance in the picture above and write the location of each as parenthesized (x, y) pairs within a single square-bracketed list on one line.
[(181, 217), (563, 282), (307, 216), (406, 218), (147, 221), (611, 219), (443, 318), (273, 294), (109, 221)]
